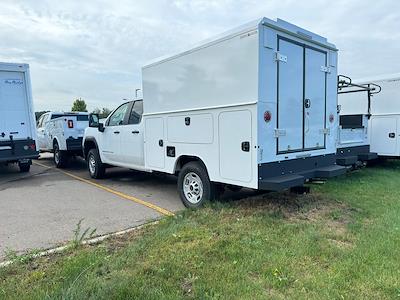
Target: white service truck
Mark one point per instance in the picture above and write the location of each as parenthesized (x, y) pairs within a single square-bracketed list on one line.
[(354, 141), (17, 116), (255, 107), (61, 133), (384, 121)]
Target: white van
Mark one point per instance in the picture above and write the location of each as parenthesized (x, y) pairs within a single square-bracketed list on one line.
[(17, 117), (255, 107)]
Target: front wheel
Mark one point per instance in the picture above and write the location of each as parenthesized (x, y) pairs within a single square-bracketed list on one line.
[(194, 185), (95, 166)]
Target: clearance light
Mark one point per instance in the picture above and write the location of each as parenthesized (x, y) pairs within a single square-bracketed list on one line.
[(70, 124)]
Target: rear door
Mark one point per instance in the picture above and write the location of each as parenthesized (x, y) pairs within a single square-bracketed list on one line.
[(301, 97), (314, 99), (14, 108)]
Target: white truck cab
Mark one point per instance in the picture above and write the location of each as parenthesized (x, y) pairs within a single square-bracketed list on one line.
[(61, 133), (255, 107)]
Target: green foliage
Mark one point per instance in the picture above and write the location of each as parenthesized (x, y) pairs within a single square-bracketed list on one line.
[(80, 236), (339, 242), (79, 105), (103, 113)]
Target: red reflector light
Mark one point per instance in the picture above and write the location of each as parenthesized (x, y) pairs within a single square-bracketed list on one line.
[(267, 116), (32, 147), (331, 118), (70, 124)]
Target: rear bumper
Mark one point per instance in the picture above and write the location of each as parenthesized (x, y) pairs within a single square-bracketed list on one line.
[(348, 156), (278, 176), (16, 150), (74, 144)]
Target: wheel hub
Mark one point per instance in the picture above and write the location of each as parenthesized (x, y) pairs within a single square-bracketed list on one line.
[(193, 188), (92, 164)]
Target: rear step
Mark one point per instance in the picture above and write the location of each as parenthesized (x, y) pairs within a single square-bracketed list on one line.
[(280, 183), (330, 171)]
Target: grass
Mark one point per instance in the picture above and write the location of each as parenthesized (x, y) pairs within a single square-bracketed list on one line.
[(339, 242)]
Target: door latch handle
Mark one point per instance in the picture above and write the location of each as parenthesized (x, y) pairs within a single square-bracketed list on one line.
[(246, 146), (392, 135), (161, 143), (116, 132), (307, 103), (135, 132)]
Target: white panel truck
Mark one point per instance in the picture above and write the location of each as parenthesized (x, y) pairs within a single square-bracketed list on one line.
[(61, 133), (255, 107), (355, 112), (17, 117)]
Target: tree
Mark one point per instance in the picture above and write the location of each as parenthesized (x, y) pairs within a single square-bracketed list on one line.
[(79, 105), (103, 113)]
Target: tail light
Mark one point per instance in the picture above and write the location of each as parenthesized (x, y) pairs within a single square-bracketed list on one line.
[(267, 116), (70, 124), (32, 147)]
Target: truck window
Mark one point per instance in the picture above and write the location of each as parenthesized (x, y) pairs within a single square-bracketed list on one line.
[(136, 113), (117, 118)]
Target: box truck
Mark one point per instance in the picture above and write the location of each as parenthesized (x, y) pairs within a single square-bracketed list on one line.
[(17, 117), (255, 107), (354, 142)]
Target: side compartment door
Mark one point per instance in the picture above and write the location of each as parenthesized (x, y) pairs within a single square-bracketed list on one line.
[(314, 99), (384, 135), (290, 97), (235, 148), (154, 143)]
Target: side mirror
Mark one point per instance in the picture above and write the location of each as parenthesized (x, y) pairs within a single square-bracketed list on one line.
[(101, 127), (94, 120)]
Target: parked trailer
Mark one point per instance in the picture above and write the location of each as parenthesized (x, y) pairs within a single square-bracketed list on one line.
[(255, 107), (17, 118), (62, 133), (354, 142), (384, 123)]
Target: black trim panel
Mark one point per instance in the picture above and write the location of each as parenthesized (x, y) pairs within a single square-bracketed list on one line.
[(350, 155), (17, 150)]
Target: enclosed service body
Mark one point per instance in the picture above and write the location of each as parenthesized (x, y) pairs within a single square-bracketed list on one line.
[(257, 106), (17, 119), (384, 121), (354, 141)]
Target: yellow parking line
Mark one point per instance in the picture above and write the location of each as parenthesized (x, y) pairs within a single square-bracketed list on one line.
[(122, 195)]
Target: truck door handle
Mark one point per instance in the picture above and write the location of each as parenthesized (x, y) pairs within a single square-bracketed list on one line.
[(116, 132), (135, 132), (307, 103), (392, 135)]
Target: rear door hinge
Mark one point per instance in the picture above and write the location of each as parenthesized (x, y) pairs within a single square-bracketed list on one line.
[(326, 131), (279, 132), (280, 57), (325, 69)]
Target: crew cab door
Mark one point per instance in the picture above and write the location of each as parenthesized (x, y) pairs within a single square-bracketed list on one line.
[(110, 139), (41, 131), (132, 147)]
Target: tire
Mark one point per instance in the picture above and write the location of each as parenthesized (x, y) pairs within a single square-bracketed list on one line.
[(194, 185), (24, 167), (95, 166), (60, 158)]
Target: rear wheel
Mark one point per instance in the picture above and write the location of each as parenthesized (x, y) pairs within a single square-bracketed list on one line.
[(24, 167), (194, 185), (60, 157), (95, 166)]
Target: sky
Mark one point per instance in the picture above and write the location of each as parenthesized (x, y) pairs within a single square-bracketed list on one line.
[(94, 49)]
